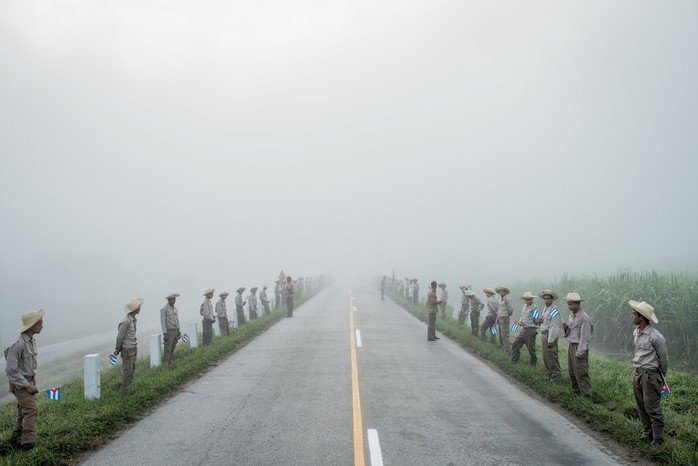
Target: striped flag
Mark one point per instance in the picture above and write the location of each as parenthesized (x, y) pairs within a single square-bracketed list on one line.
[(515, 326), (185, 337), (112, 359), (231, 324), (665, 387), (536, 314), (54, 393), (493, 329), (554, 312)]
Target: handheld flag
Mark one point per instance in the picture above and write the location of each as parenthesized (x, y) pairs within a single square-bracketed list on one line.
[(536, 314), (493, 329), (112, 359), (54, 393), (231, 324), (185, 337), (515, 326), (665, 387), (554, 312)]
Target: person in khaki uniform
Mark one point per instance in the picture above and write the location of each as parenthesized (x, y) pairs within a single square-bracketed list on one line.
[(464, 306), (444, 300), (550, 328), (127, 343), (491, 318), (252, 303), (529, 330), (222, 314), (265, 301), (578, 330), (505, 309), (433, 309), (206, 311), (278, 290), (476, 306), (240, 306), (289, 293), (650, 362), (169, 322), (21, 368)]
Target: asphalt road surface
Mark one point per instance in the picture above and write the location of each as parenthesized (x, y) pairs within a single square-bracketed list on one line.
[(286, 399)]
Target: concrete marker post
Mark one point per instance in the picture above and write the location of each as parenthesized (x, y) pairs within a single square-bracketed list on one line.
[(155, 356), (91, 376), (193, 334)]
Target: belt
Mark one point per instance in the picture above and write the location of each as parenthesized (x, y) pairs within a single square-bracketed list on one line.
[(643, 370)]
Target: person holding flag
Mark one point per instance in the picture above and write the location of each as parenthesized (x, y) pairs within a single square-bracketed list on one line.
[(222, 314), (528, 333), (550, 327), (208, 316), (476, 306), (505, 309), (127, 343), (21, 368), (650, 362), (491, 318)]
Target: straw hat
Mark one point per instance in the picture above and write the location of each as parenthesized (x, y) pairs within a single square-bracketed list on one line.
[(462, 287), (470, 293), (240, 290), (133, 305), (253, 289), (542, 294), (224, 294), (265, 287), (172, 295), (30, 319), (442, 285), (502, 288), (527, 295), (488, 290), (209, 290), (644, 309), (573, 298)]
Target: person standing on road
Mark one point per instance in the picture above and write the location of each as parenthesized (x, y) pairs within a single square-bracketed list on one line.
[(252, 303), (433, 309), (476, 306), (240, 306), (464, 306), (491, 318), (222, 314), (578, 330), (415, 292), (20, 368), (265, 301), (529, 330), (278, 288), (383, 288), (550, 327), (444, 299), (650, 362), (206, 310), (169, 322), (505, 309), (288, 295), (127, 343)]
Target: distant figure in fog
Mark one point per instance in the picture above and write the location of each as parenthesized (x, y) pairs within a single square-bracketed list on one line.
[(444, 299), (222, 314), (127, 344), (265, 301), (21, 368), (240, 306), (278, 289), (169, 322), (433, 309), (415, 291), (464, 306), (252, 303), (206, 311), (383, 288), (288, 295)]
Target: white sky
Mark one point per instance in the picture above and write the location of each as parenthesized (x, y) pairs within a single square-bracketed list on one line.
[(153, 146)]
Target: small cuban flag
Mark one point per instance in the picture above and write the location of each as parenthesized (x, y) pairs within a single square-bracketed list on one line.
[(554, 313), (493, 329), (515, 326), (185, 337), (231, 324), (536, 314), (665, 387), (54, 393), (112, 359)]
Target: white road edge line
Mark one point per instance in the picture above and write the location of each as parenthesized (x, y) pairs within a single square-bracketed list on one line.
[(374, 447), (358, 338)]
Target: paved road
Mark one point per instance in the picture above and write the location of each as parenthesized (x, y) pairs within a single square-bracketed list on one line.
[(286, 399)]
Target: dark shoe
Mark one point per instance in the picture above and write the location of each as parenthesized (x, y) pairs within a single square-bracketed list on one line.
[(656, 442), (28, 446), (431, 339), (437, 338)]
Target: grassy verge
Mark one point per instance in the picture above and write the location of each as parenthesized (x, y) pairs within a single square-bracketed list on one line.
[(72, 426), (612, 408)]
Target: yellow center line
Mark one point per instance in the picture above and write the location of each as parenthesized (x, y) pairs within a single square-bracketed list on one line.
[(356, 398)]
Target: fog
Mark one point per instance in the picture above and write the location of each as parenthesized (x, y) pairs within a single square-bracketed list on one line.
[(178, 145)]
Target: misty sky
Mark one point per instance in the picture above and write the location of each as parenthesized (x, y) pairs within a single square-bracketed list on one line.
[(149, 147)]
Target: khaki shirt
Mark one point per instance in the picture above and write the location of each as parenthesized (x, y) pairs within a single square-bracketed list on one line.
[(252, 300), (650, 350), (579, 331), (526, 318), (288, 290), (493, 305), (206, 310), (126, 336), (505, 308), (432, 305), (444, 297), (221, 309), (239, 302), (169, 318), (263, 296), (550, 324), (476, 304), (21, 361)]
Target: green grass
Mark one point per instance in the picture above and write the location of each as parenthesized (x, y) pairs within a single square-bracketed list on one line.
[(612, 408), (71, 427)]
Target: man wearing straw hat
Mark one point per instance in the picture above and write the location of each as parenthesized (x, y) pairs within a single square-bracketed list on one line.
[(651, 361), (206, 310), (505, 309), (222, 314), (476, 306), (127, 343), (464, 306), (550, 327), (265, 301), (240, 306), (528, 333), (444, 299), (433, 309), (169, 321), (21, 372), (252, 303), (289, 293), (578, 331), (278, 289), (491, 318)]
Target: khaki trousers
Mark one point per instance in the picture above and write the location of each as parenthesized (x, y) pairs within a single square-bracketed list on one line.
[(431, 326), (289, 307), (27, 414), (490, 320), (550, 358), (579, 371), (475, 322), (241, 315), (170, 342), (526, 337), (207, 327), (463, 314), (223, 325), (504, 333), (277, 301), (128, 357), (267, 311), (648, 398)]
